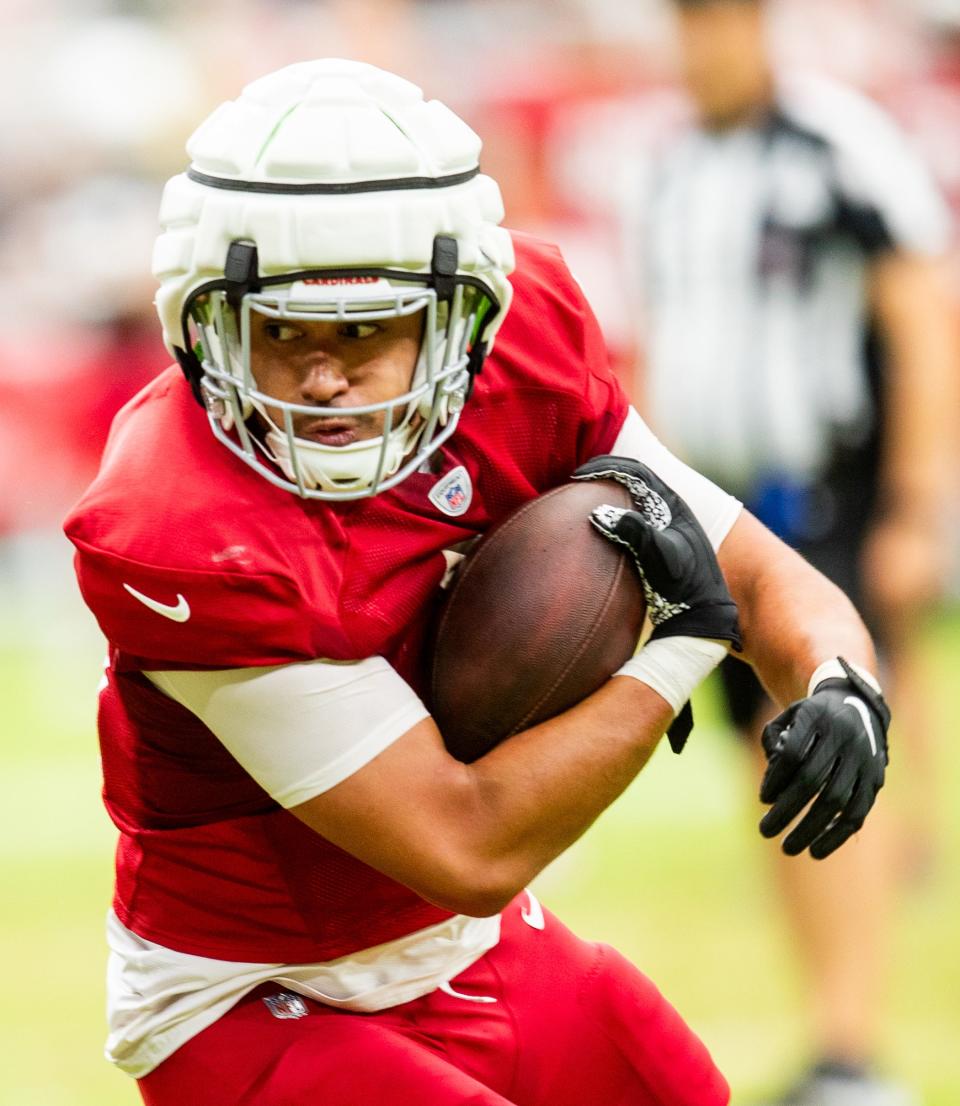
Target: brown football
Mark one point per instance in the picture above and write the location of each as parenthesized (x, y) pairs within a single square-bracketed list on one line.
[(542, 612)]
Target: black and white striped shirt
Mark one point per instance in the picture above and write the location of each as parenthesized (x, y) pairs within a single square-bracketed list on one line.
[(755, 244)]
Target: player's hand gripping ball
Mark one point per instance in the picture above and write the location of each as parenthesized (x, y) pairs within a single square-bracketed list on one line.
[(831, 749), (686, 593), (684, 587)]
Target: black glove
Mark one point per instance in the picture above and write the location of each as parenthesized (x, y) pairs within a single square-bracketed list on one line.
[(685, 590), (831, 746)]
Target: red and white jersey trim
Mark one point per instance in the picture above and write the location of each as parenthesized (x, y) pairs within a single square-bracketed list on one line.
[(146, 1024)]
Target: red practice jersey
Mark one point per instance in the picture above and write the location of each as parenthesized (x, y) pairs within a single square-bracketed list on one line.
[(249, 575)]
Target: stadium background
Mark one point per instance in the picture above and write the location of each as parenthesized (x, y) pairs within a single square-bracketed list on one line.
[(97, 100)]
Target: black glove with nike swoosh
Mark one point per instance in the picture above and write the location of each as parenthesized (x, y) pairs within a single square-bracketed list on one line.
[(830, 748), (686, 593)]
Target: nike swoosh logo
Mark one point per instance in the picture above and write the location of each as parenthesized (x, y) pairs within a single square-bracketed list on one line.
[(533, 915), (176, 612), (861, 709)]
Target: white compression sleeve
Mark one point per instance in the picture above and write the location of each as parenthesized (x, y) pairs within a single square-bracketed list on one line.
[(715, 510), (299, 729)]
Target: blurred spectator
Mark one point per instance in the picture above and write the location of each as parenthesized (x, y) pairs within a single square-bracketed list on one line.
[(802, 351)]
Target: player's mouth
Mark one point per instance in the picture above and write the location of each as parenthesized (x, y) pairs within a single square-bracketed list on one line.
[(333, 432)]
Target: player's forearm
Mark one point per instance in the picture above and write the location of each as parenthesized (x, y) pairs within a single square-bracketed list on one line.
[(535, 794), (469, 837), (792, 618)]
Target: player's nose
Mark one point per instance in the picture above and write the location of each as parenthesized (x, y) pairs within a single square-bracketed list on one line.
[(323, 380)]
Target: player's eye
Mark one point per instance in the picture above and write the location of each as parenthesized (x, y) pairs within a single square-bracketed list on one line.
[(358, 330), (282, 332)]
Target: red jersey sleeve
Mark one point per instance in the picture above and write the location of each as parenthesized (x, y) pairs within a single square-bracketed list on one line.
[(189, 560), (190, 618)]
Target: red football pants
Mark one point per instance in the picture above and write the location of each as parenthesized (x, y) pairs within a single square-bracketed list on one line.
[(574, 1024)]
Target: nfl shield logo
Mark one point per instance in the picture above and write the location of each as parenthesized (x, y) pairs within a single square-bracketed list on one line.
[(286, 1005), (453, 493)]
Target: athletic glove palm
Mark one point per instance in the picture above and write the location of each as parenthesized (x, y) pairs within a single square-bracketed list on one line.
[(830, 748)]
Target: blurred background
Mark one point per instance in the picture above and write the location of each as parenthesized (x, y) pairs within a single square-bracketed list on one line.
[(97, 101)]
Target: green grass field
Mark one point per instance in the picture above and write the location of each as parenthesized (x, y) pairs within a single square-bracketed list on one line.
[(674, 875)]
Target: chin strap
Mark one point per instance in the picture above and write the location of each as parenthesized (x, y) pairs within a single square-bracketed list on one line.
[(241, 272), (192, 369), (443, 274)]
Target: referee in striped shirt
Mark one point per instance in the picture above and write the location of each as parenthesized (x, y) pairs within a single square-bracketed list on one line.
[(801, 349)]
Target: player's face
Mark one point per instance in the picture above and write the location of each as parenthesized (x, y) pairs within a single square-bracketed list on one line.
[(334, 364), (724, 59)]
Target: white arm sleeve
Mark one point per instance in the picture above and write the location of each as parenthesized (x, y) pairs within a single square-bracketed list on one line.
[(299, 729), (715, 510)]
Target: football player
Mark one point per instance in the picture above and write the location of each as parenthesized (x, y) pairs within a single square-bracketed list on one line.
[(313, 898)]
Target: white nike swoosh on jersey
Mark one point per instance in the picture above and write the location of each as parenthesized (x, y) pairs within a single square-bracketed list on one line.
[(533, 915), (861, 709), (176, 612)]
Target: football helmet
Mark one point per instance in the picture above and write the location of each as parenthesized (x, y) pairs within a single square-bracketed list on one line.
[(330, 191)]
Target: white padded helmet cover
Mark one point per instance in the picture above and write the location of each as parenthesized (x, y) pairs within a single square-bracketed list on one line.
[(330, 122)]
